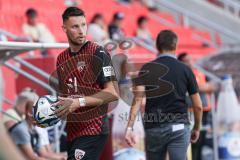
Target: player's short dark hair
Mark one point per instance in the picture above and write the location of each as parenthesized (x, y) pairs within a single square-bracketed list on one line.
[(166, 41), (72, 11), (181, 56), (31, 12), (141, 19)]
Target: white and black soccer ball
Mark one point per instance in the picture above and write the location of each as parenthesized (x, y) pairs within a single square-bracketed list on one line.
[(43, 111)]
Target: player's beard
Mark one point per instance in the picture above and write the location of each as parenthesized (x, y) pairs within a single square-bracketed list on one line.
[(76, 42)]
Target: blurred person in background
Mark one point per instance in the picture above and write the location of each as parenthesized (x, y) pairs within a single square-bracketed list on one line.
[(97, 29), (122, 110), (19, 128), (8, 150), (142, 30), (37, 31), (205, 89), (13, 116), (115, 28), (45, 149), (30, 139)]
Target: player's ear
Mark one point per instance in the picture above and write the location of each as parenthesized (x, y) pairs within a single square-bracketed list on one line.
[(64, 28)]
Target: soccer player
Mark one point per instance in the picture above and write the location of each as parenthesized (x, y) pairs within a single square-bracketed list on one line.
[(165, 82), (87, 83)]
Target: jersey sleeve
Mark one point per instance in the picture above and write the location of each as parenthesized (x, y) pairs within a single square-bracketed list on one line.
[(192, 85), (105, 67)]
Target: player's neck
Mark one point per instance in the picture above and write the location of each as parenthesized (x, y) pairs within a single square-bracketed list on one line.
[(76, 48), (173, 52)]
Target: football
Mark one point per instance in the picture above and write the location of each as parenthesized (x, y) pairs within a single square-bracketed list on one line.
[(43, 111)]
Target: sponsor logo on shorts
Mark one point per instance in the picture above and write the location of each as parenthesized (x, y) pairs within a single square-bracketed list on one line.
[(79, 154)]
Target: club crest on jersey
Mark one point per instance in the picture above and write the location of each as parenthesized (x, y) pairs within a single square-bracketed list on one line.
[(108, 71), (81, 65), (79, 154)]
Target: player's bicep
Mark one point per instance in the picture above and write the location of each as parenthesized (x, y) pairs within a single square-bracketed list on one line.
[(112, 87)]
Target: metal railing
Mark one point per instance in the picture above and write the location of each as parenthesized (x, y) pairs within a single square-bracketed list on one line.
[(231, 6)]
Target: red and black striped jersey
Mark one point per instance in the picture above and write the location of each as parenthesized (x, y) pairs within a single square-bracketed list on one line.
[(84, 73)]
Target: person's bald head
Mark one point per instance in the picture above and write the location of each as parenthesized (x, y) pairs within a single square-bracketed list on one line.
[(26, 99)]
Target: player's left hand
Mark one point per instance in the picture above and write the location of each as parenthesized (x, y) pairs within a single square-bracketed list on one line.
[(66, 106)]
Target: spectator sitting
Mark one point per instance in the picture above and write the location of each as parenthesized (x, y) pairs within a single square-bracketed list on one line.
[(98, 30), (142, 30), (8, 150), (45, 149), (24, 133), (37, 31), (115, 28), (16, 114), (19, 128)]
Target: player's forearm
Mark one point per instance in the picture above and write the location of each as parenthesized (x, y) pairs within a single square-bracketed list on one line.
[(105, 96)]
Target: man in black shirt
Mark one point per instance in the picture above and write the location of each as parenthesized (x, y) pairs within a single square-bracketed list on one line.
[(165, 82)]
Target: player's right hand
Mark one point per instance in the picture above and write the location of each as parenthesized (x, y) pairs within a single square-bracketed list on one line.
[(130, 137)]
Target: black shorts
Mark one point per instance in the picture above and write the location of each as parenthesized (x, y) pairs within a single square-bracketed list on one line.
[(87, 147)]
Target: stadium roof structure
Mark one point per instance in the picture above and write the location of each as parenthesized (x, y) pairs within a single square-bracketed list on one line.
[(9, 50)]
